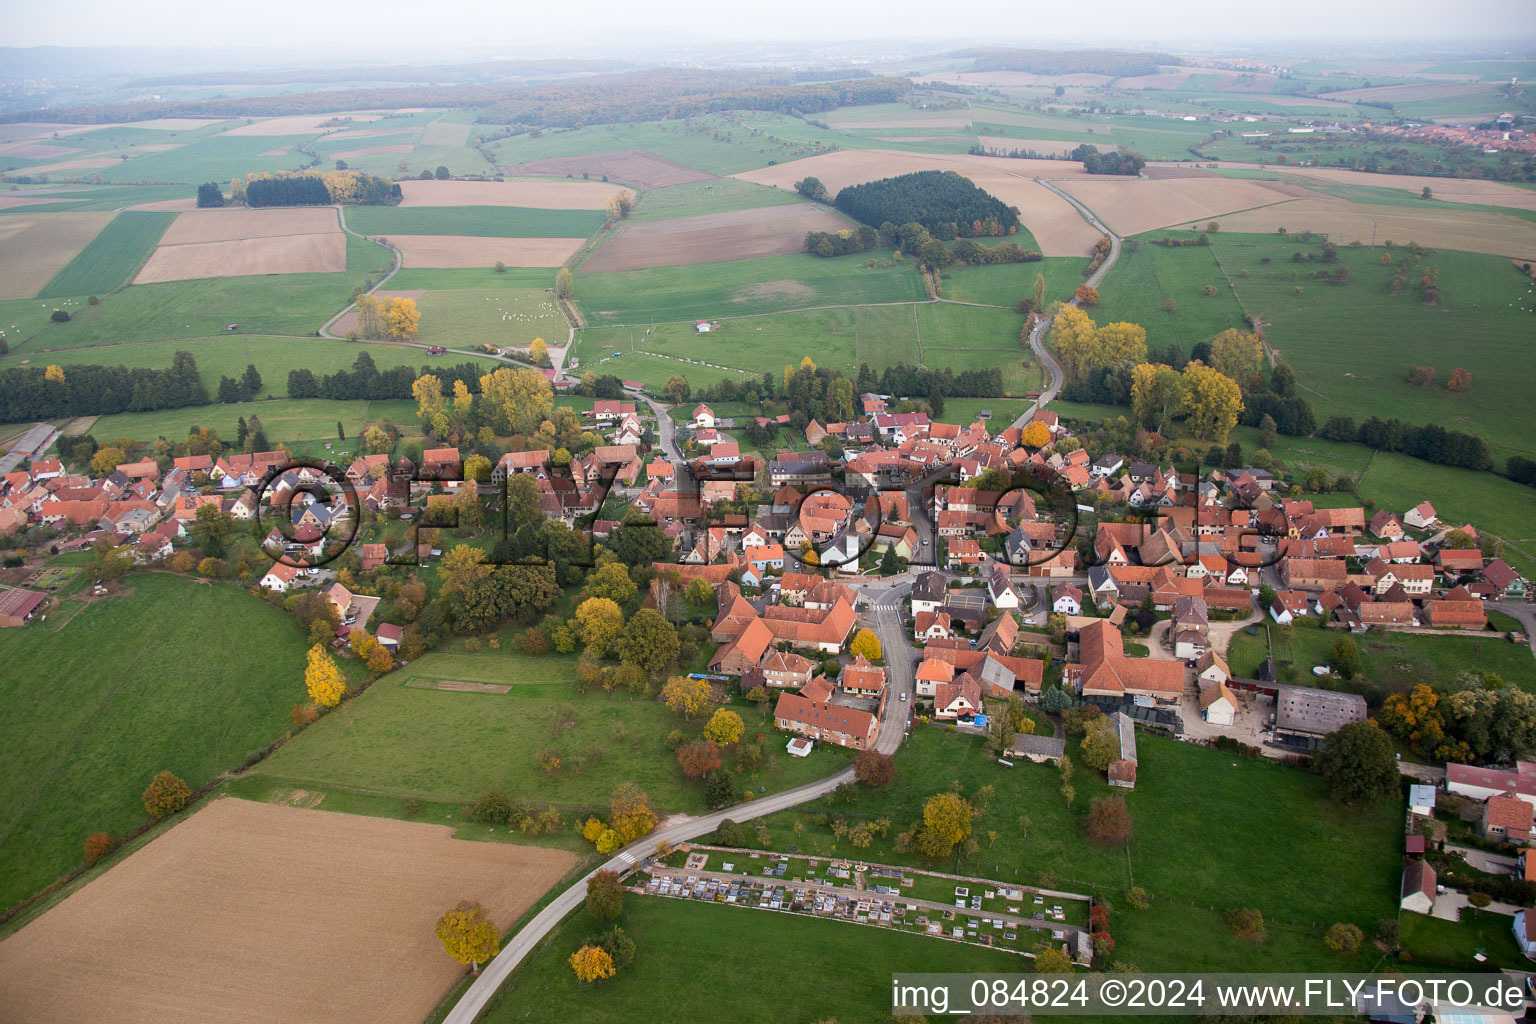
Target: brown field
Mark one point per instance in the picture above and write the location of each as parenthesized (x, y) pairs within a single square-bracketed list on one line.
[(937, 121), (250, 912), (712, 238), (36, 150), (79, 425), (172, 205), (23, 130), (925, 138), (347, 322), (1002, 79), (473, 251), (1423, 91), (1130, 207), (32, 199), (366, 133), (298, 124), (82, 164), (178, 124), (538, 195), (228, 225), (1470, 231), (279, 151), (245, 257), (1001, 143), (34, 248), (458, 686), (1171, 80), (443, 133), (1453, 190), (1059, 229), (372, 151), (633, 166)]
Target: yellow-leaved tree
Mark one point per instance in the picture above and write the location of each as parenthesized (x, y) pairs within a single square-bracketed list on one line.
[(401, 318), (866, 643), (599, 623), (592, 963), (1211, 402), (468, 935), (630, 812), (517, 400), (686, 697), (368, 322), (1236, 353), (724, 728), (565, 284), (538, 351), (1074, 335), (55, 374), (1036, 434), (1157, 391), (323, 678)]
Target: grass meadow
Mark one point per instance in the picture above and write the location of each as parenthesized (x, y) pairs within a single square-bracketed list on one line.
[(215, 158), (285, 419), (102, 696), (112, 257), (1004, 284), (1306, 862), (696, 198), (92, 197), (504, 316), (1141, 282), (404, 738), (767, 284), (492, 221)]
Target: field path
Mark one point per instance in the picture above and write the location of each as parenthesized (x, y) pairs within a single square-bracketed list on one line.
[(325, 330)]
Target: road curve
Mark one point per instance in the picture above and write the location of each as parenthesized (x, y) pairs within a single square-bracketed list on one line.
[(325, 330), (1037, 336)]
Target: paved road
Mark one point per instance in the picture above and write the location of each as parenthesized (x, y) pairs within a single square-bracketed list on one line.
[(325, 331), (1037, 336), (1523, 611)]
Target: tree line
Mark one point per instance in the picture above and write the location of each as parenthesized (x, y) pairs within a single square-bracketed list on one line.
[(366, 380), (308, 189), (1430, 442), (939, 201), (1122, 161), (32, 393)]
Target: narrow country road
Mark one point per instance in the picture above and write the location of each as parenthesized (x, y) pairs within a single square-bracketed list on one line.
[(325, 330), (1037, 336)]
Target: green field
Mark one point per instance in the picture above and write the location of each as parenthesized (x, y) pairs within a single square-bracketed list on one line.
[(841, 971), (1437, 943), (495, 221), (285, 419), (216, 158), (101, 697), (112, 257), (1391, 662), (720, 195), (439, 279), (397, 738), (1137, 286), (1004, 411), (100, 197), (764, 285), (470, 317), (1306, 863), (1004, 284), (228, 355)]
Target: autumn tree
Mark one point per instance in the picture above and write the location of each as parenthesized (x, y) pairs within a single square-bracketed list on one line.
[(538, 352), (1101, 743), (1420, 376), (599, 622), (401, 319), (107, 459), (865, 642), (468, 935), (1087, 295), (97, 845), (323, 679), (1036, 435), (165, 795), (516, 401), (605, 895), (1157, 392), (1109, 821), (1343, 939), (1051, 959), (687, 697), (698, 757), (1236, 353), (592, 963), (565, 284), (55, 373), (370, 323), (1039, 294), (649, 642), (1459, 380), (724, 728), (946, 821), (873, 768), (380, 661), (629, 813), (677, 389), (1211, 402), (611, 581), (1246, 923), (699, 593)]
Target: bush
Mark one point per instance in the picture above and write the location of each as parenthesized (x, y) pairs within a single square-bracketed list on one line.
[(493, 807), (165, 795), (1343, 939), (413, 807), (1109, 821), (60, 317), (98, 845), (1138, 898), (1246, 924)]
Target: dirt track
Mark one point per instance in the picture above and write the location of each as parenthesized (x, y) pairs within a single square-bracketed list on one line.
[(712, 238), (250, 913), (635, 166)]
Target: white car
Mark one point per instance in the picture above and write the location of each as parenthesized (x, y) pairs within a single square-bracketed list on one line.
[(903, 698)]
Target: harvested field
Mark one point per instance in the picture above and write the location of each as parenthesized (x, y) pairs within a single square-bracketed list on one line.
[(925, 138), (245, 257), (79, 425), (298, 124), (12, 202), (348, 321), (84, 163), (1410, 93), (34, 130), (1002, 79), (267, 913), (372, 151), (538, 195), (364, 133), (1059, 229), (1131, 206), (1176, 171), (444, 133), (35, 248), (279, 151), (170, 205), (36, 150), (712, 238), (1452, 190), (474, 251), (228, 225), (1470, 231), (634, 166), (1002, 144), (1169, 80), (178, 124)]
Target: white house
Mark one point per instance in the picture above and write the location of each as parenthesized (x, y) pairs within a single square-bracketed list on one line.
[(1217, 705), (1421, 516), (1000, 589), (1212, 668), (703, 417), (703, 327), (1421, 801), (1067, 599), (1523, 937), (280, 577)]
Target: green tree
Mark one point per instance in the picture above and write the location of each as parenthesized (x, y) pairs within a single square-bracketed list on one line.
[(211, 530), (611, 581), (1358, 764), (605, 895), (649, 641)]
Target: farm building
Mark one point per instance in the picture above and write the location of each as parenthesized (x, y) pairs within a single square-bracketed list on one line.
[(1418, 893), (1304, 713), (17, 606)]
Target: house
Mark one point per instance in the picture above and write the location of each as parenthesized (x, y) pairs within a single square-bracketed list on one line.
[(1105, 466), (786, 670), (1504, 579), (1418, 891), (1038, 749), (1506, 819), (280, 577), (1482, 783), (1289, 605), (931, 626), (1421, 800), (1523, 935), (17, 606), (1314, 573), (1104, 670), (373, 556), (1067, 599), (929, 592), (1416, 580), (1000, 635), (389, 635), (831, 723), (964, 554), (931, 674), (535, 462), (745, 650), (861, 679), (1454, 561), (611, 410), (1386, 526), (439, 464), (1000, 589), (1421, 516), (703, 327), (1212, 668), (958, 699), (1304, 713), (1217, 705), (1457, 609), (703, 417)]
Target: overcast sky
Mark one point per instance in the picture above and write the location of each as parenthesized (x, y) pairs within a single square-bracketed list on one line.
[(396, 28)]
